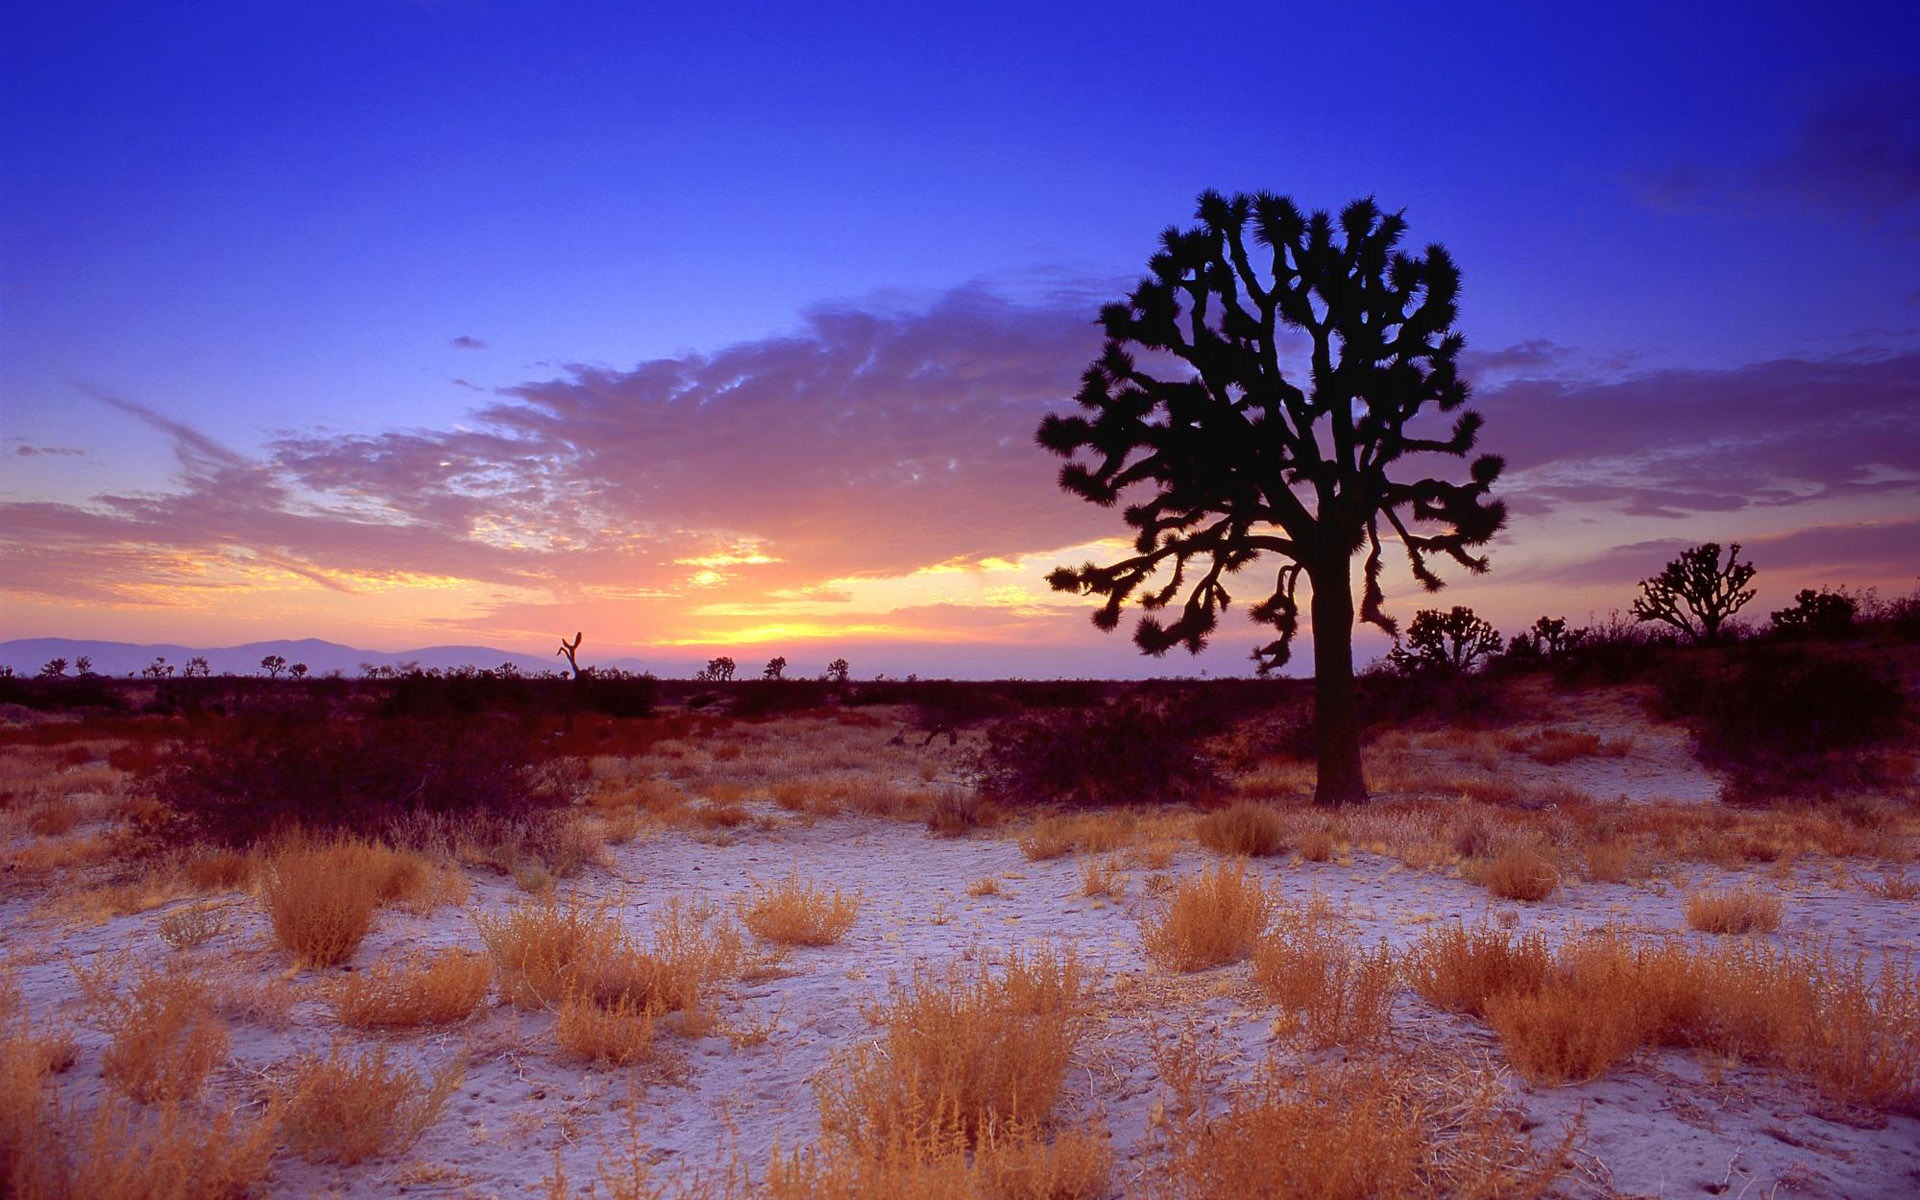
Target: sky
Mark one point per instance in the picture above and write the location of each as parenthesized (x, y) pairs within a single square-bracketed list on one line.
[(724, 329)]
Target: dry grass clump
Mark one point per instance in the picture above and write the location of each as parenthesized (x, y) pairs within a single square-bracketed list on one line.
[(1245, 828), (1054, 836), (1519, 874), (166, 1038), (609, 990), (795, 912), (321, 896), (962, 1057), (1335, 992), (1102, 877), (166, 1152), (347, 1108), (1458, 969), (1012, 1163), (1736, 910), (986, 885), (29, 1056), (1213, 918), (1361, 1132), (435, 989), (212, 869), (193, 925)]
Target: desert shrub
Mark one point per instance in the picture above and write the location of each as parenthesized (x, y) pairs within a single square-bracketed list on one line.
[(615, 1032), (962, 1054), (321, 897), (191, 925), (546, 956), (1013, 1162), (169, 1151), (1357, 1132), (1519, 874), (165, 1040), (1053, 836), (1823, 614), (436, 989), (1775, 716), (1124, 751), (1212, 918), (1246, 828), (346, 1108), (1736, 910), (1335, 992), (1458, 969), (245, 777), (795, 912), (950, 814)]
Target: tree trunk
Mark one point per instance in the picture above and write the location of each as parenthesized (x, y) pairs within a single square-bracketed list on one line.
[(1336, 712)]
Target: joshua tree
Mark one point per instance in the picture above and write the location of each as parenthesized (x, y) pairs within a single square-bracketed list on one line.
[(1232, 457), (571, 650), (159, 668), (273, 664), (83, 664), (837, 671), (196, 668), (1819, 613), (1695, 593), (1451, 641), (298, 670), (776, 667), (719, 669), (55, 668)]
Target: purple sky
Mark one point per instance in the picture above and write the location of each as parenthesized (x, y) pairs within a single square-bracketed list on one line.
[(403, 323)]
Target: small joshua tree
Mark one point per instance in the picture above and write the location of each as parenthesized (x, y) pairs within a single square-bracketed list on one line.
[(196, 668), (1819, 614), (55, 668), (273, 664), (159, 668), (572, 651), (837, 671), (720, 670), (298, 670), (1696, 593), (83, 664), (776, 667), (1451, 642)]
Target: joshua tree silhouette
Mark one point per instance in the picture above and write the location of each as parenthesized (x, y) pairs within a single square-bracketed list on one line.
[(1234, 458), (1695, 593)]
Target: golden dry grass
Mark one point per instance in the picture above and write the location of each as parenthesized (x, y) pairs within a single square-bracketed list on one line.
[(167, 1151), (165, 1036), (1519, 874), (1333, 991), (961, 1055), (1734, 910), (1212, 918), (796, 912), (424, 989), (1374, 1129), (345, 1107), (321, 897), (1457, 969), (1245, 828)]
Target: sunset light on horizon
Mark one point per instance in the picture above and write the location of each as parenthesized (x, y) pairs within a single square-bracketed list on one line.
[(414, 324)]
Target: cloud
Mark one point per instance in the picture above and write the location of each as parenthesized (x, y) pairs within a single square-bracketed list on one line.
[(1678, 442), (1856, 153), (23, 450), (463, 342), (871, 441), (1859, 151)]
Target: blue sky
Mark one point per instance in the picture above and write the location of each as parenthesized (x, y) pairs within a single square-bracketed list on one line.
[(254, 228)]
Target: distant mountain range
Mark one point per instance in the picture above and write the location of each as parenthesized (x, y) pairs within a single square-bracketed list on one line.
[(27, 655)]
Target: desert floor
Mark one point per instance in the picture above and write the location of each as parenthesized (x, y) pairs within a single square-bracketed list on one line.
[(733, 1090)]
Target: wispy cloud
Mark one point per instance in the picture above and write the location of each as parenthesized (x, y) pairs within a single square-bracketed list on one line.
[(463, 342)]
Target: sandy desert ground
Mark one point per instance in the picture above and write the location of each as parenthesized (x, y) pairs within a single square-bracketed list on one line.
[(698, 827)]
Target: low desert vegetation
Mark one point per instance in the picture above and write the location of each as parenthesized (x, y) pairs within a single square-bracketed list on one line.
[(797, 912), (422, 990), (962, 1056), (1245, 828), (346, 1106), (1734, 910), (1331, 989), (1210, 919)]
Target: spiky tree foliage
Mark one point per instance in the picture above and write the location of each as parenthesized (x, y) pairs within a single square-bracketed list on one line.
[(775, 668), (1696, 593), (719, 670), (1303, 349), (1451, 642), (837, 670)]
